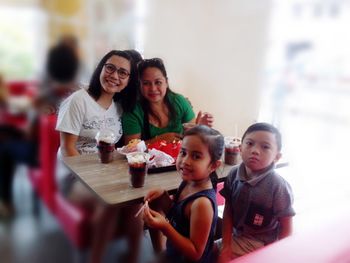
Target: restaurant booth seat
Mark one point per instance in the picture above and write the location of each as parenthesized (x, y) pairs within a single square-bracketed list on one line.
[(18, 88), (22, 87), (42, 177), (74, 220)]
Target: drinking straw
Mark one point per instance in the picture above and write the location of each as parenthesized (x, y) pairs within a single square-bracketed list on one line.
[(142, 208)]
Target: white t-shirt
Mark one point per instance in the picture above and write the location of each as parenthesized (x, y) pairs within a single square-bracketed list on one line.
[(81, 115)]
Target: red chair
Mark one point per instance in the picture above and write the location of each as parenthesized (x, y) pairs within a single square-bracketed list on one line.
[(18, 88), (43, 178), (19, 121), (220, 201), (219, 198), (22, 87), (74, 220)]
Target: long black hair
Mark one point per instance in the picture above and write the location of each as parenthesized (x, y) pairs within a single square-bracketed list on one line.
[(128, 96), (142, 66), (215, 142)]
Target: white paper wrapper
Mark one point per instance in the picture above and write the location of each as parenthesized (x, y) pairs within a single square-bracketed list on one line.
[(159, 159), (139, 147), (137, 157)]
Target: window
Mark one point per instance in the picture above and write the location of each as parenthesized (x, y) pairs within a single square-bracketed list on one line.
[(22, 42), (307, 93)]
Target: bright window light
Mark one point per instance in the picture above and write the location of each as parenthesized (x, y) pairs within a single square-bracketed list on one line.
[(21, 42), (307, 93)]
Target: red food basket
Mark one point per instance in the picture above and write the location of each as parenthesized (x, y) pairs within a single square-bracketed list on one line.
[(171, 148)]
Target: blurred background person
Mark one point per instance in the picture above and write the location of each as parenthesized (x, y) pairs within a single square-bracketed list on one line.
[(83, 74), (60, 80), (59, 65), (20, 146)]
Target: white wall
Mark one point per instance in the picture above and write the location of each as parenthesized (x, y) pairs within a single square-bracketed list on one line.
[(213, 49), (214, 52)]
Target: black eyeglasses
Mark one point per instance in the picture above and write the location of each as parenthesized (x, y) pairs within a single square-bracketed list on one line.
[(122, 73)]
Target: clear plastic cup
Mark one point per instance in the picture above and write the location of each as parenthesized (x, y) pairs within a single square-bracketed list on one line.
[(105, 144), (137, 168), (232, 150)]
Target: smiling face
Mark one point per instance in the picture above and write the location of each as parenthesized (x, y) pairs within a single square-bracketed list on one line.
[(259, 150), (194, 162), (153, 85), (112, 82)]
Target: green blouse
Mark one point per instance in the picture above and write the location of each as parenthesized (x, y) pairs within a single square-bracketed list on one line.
[(133, 122)]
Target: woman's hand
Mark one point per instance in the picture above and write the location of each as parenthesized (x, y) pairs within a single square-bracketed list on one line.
[(154, 194), (205, 118), (154, 219)]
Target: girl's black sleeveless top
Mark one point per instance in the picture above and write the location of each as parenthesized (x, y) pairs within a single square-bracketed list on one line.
[(178, 220)]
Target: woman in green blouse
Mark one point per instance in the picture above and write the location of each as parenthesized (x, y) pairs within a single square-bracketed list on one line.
[(160, 112)]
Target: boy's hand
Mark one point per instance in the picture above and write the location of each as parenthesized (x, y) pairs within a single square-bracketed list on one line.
[(153, 194), (154, 219)]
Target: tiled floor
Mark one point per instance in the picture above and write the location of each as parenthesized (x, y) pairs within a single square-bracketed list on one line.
[(39, 239)]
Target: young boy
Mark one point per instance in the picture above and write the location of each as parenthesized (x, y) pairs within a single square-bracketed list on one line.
[(258, 208)]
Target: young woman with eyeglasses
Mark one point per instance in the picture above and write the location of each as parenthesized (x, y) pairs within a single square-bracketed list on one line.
[(160, 112), (112, 91)]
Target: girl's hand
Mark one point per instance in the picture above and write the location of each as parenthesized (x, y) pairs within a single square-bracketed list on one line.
[(154, 219), (225, 254), (205, 119), (154, 194)]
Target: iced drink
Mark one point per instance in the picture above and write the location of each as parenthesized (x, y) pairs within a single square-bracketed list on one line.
[(105, 151), (137, 168), (232, 151), (105, 145)]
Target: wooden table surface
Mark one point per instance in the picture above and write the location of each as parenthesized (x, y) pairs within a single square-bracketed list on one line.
[(111, 182)]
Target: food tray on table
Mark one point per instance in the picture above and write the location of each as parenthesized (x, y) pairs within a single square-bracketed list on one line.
[(171, 149), (162, 169)]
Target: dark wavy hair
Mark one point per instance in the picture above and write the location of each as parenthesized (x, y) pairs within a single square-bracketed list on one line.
[(156, 63), (128, 96), (215, 142), (135, 55), (263, 126)]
